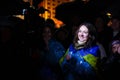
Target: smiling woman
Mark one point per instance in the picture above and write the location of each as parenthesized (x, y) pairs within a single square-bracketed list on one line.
[(81, 60)]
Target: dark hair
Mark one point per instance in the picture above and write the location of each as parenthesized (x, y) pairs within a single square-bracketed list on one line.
[(92, 34)]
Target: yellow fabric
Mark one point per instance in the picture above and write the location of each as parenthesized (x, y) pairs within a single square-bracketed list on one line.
[(91, 59), (62, 58)]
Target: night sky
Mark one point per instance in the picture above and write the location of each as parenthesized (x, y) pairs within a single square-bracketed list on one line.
[(8, 7), (89, 10)]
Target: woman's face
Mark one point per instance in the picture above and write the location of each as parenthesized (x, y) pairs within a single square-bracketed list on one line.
[(83, 34)]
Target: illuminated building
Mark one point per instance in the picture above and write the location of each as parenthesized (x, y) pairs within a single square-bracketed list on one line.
[(50, 6)]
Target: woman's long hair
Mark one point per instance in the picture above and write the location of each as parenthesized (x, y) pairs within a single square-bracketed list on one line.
[(92, 36)]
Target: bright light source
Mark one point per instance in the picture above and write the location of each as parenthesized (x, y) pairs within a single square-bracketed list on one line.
[(109, 14)]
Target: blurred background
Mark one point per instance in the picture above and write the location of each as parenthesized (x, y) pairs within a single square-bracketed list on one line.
[(60, 9)]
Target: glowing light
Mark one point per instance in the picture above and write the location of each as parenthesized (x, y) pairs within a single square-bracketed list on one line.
[(109, 14), (19, 16), (58, 23)]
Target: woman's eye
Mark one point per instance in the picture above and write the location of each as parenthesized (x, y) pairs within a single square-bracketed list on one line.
[(79, 31), (86, 32)]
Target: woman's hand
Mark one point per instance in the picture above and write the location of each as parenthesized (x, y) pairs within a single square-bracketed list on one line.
[(68, 57)]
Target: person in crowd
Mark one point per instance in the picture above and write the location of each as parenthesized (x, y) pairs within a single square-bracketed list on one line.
[(115, 27), (51, 45), (61, 35), (51, 51), (111, 66), (81, 60), (112, 34), (103, 32)]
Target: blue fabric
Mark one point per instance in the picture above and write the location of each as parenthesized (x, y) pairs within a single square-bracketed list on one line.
[(56, 50), (77, 64), (93, 50)]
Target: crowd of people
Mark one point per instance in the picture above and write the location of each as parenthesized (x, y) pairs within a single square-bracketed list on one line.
[(35, 49)]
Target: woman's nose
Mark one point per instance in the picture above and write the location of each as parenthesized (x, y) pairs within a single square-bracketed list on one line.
[(81, 34)]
